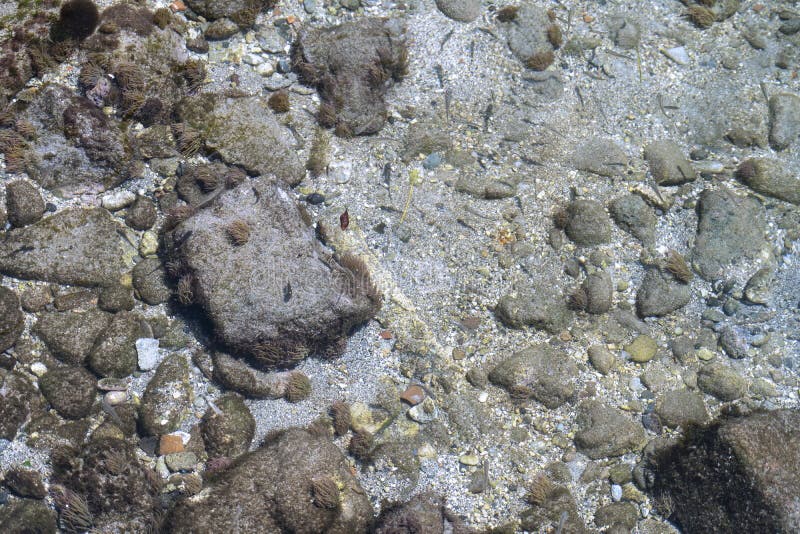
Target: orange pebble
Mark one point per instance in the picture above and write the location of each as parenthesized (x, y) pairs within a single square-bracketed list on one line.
[(170, 443), (587, 18), (177, 6)]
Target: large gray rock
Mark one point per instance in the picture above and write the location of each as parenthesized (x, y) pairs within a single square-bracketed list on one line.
[(150, 282), (588, 223), (721, 381), (228, 127), (604, 431), (784, 120), (271, 291), (632, 214), (114, 353), (539, 372), (296, 482), (681, 407), (82, 247), (460, 10), (770, 177), (167, 398), (667, 163), (543, 307), (352, 65), (730, 227), (660, 294), (601, 156), (528, 36), (738, 475), (71, 335)]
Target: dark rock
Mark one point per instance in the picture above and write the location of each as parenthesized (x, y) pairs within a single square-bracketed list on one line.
[(11, 320), (26, 516), (543, 308), (424, 513), (601, 156), (24, 202), (150, 282), (738, 475), (301, 300), (605, 431), (116, 298), (460, 10), (602, 359), (667, 163), (660, 294), (36, 298), (539, 372), (733, 343), (305, 485), (228, 433), (770, 177), (554, 508), (352, 65), (784, 120), (114, 353), (722, 382), (70, 390), (19, 401), (227, 125), (730, 227), (167, 398), (599, 290), (588, 223), (25, 483), (142, 214), (632, 214), (120, 493), (682, 408), (70, 336), (75, 246), (236, 374)]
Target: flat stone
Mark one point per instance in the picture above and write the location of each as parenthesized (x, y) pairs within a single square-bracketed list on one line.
[(71, 335), (667, 163), (784, 120), (170, 444), (722, 382), (770, 177), (148, 354), (605, 431), (601, 156), (681, 407), (81, 247), (181, 461), (539, 372), (413, 395)]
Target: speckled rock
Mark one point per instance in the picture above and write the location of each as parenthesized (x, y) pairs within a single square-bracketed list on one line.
[(70, 390), (150, 282), (615, 515), (681, 407), (116, 298), (784, 120), (24, 202), (230, 432), (733, 343), (227, 125), (642, 349), (632, 214), (75, 246), (542, 307), (71, 335), (770, 177), (601, 156), (667, 163), (305, 485), (460, 10), (602, 359), (604, 431), (730, 227), (141, 214), (588, 223), (738, 475), (539, 372), (722, 382), (599, 290), (426, 512), (660, 294), (301, 301), (114, 353), (11, 319), (167, 398)]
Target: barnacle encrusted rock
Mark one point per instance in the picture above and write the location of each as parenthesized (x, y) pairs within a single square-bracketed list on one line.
[(352, 65), (276, 489), (278, 296)]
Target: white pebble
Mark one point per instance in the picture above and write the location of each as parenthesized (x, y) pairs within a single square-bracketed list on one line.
[(253, 59), (483, 396), (118, 200), (38, 368), (265, 69), (149, 355), (616, 492), (678, 55), (115, 398)]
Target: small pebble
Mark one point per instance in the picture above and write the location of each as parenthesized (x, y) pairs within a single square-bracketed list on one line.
[(677, 54), (616, 492), (483, 396), (170, 444), (149, 355), (117, 200), (38, 368), (115, 398), (413, 395), (468, 459)]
